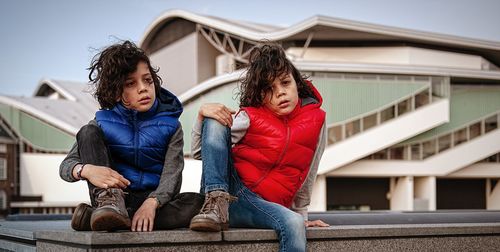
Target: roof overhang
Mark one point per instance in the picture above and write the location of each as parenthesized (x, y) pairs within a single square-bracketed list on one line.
[(334, 30)]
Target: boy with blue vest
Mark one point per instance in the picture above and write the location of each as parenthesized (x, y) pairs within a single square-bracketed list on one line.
[(131, 154)]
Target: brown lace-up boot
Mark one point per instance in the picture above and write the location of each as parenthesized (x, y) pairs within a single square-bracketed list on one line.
[(110, 214), (81, 217), (214, 214)]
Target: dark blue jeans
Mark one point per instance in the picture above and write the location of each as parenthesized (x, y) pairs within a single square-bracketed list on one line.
[(250, 210)]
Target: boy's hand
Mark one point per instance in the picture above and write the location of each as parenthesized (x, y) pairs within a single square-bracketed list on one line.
[(104, 177), (218, 112), (316, 223), (145, 216)]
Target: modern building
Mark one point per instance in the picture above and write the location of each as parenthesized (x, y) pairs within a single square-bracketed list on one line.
[(36, 133), (412, 116)]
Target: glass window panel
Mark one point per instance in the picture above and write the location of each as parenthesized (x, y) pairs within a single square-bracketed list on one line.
[(404, 106), (460, 136), (369, 121), (429, 148), (381, 154), (334, 134), (492, 158), (3, 168), (474, 130), (491, 123), (352, 128), (387, 114), (422, 99), (415, 152), (397, 153), (444, 142)]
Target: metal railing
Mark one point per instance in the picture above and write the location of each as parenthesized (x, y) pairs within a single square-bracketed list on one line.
[(340, 131), (437, 144)]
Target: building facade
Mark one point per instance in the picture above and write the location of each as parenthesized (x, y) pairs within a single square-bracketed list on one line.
[(412, 116)]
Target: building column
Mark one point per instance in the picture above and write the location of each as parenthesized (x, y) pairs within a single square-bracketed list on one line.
[(401, 193), (318, 196), (492, 194), (425, 194)]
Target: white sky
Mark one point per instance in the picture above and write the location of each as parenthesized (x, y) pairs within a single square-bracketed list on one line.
[(57, 38)]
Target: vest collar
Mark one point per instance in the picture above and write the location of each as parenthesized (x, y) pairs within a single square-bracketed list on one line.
[(131, 113)]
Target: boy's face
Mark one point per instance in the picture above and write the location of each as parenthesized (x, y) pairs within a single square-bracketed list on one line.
[(139, 89), (283, 96)]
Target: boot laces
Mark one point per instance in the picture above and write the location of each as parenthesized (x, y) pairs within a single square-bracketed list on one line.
[(214, 203), (106, 197)]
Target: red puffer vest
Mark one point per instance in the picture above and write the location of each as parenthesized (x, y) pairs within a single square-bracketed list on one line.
[(274, 157)]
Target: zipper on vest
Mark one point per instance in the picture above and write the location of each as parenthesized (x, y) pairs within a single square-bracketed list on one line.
[(287, 141), (280, 157), (136, 145)]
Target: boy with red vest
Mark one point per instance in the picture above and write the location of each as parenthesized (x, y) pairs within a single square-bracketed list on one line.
[(267, 156)]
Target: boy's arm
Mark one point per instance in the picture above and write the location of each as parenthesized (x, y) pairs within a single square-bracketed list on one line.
[(239, 128), (171, 176), (69, 162), (72, 159), (303, 197)]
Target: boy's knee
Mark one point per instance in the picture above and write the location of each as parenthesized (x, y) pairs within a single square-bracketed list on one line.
[(88, 130), (295, 221), (213, 125)]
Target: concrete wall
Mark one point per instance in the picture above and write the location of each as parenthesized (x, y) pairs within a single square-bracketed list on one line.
[(207, 55), (401, 193), (39, 175), (178, 64), (424, 193)]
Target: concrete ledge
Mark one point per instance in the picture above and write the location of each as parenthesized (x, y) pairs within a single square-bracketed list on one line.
[(357, 237), (345, 234)]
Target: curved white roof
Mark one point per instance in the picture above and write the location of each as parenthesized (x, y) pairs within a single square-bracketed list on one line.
[(76, 108), (246, 30)]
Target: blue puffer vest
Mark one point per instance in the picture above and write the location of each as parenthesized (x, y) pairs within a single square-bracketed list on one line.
[(138, 141)]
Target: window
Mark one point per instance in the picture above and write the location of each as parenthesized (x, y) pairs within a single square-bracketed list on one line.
[(334, 134), (3, 200), (3, 168), (404, 106), (422, 99), (444, 142), (429, 148), (475, 130), (460, 136), (369, 121), (387, 114), (3, 148), (490, 123), (415, 152), (397, 153), (381, 154), (352, 128)]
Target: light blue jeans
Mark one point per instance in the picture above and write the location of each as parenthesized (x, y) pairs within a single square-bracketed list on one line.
[(250, 210)]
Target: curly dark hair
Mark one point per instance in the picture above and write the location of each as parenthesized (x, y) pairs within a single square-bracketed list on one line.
[(267, 62), (110, 68)]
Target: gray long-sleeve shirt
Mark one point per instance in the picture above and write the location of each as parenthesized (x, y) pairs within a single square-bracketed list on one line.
[(171, 176), (238, 130)]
